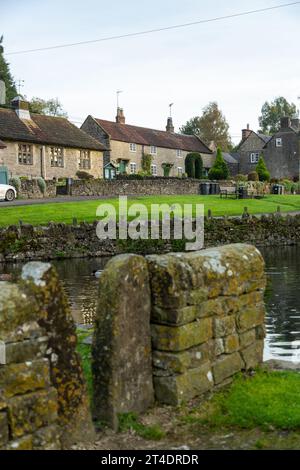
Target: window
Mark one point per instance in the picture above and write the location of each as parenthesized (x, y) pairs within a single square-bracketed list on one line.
[(57, 156), (278, 142), (85, 160), (178, 153), (154, 170), (132, 147), (132, 168), (179, 171), (25, 156), (254, 157), (153, 150)]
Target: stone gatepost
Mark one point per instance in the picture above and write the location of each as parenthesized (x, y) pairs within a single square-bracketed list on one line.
[(122, 367)]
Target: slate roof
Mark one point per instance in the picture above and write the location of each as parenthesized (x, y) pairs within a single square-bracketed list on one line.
[(145, 136), (229, 158), (264, 137), (44, 130)]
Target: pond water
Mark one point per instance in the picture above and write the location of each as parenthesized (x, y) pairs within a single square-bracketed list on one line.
[(282, 296)]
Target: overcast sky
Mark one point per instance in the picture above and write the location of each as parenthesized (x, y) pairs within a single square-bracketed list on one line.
[(240, 63)]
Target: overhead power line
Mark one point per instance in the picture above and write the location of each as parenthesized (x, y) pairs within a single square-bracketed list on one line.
[(156, 30)]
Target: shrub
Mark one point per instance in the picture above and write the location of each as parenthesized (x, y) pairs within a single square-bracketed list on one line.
[(219, 170), (41, 184), (15, 181), (253, 176), (241, 178), (146, 163), (262, 171), (288, 185), (83, 175), (194, 165)]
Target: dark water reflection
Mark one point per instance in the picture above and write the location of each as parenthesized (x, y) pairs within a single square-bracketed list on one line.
[(283, 303), (282, 296)]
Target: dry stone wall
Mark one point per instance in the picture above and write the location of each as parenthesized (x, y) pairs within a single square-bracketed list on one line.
[(43, 400)]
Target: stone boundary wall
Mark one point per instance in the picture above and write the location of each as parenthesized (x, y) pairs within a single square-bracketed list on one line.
[(43, 399), (55, 241), (207, 324), (30, 190), (207, 319)]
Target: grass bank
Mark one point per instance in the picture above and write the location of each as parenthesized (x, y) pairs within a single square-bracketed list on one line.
[(65, 212)]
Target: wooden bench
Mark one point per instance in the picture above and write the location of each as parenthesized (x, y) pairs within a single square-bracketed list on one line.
[(228, 191)]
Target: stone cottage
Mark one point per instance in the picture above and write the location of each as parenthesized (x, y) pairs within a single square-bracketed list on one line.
[(250, 149), (47, 146), (126, 144), (282, 153)]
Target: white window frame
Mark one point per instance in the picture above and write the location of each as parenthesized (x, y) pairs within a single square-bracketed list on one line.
[(179, 171), (178, 153), (278, 142), (154, 170), (153, 150), (132, 147), (254, 157), (132, 168)]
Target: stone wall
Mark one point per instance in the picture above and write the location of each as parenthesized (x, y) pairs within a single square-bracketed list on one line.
[(207, 324), (54, 241), (207, 319), (30, 189), (43, 399)]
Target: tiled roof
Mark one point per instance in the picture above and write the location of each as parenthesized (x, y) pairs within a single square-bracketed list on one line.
[(145, 136), (44, 130)]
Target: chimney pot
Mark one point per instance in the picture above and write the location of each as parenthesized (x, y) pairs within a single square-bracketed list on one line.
[(120, 118), (170, 126), (21, 107), (246, 132)]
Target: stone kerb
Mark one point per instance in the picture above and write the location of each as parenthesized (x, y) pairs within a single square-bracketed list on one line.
[(207, 319)]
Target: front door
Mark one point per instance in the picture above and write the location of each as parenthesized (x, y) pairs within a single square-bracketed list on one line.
[(122, 166), (3, 175)]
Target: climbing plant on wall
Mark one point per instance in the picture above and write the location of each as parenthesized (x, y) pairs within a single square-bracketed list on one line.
[(194, 165), (146, 163)]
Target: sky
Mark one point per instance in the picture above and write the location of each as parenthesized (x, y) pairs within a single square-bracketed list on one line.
[(240, 62)]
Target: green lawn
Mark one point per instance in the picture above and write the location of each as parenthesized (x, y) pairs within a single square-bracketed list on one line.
[(86, 210)]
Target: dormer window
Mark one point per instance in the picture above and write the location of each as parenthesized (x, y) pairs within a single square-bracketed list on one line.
[(132, 147), (153, 150), (278, 142)]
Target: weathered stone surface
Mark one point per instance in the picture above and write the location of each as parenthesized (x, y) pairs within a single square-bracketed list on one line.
[(224, 326), (30, 412), (231, 344), (247, 338), (179, 338), (47, 438), (18, 379), (121, 351), (251, 317), (179, 388), (166, 363), (3, 429), (253, 354), (25, 443), (174, 316), (40, 282), (226, 366), (26, 350)]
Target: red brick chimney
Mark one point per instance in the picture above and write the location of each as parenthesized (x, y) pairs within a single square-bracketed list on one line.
[(120, 118), (246, 133)]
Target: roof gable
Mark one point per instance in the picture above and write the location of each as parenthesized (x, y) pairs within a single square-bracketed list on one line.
[(264, 138), (42, 130), (146, 136)]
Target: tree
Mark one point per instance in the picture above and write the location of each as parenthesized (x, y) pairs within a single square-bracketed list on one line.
[(194, 165), (210, 127), (272, 112), (219, 170), (262, 170), (5, 75), (50, 107)]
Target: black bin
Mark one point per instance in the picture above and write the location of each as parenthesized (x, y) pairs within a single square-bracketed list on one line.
[(277, 189), (205, 187)]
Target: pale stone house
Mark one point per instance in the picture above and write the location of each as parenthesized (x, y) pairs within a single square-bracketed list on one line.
[(126, 145), (51, 147)]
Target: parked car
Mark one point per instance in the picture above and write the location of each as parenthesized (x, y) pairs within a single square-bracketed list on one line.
[(7, 192)]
